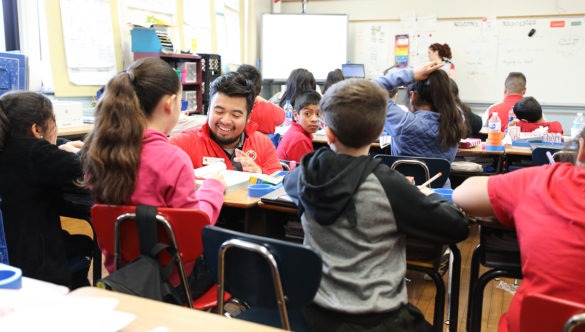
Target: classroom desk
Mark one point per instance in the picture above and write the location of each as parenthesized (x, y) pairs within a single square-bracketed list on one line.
[(238, 197), (75, 131), (518, 150), (153, 315)]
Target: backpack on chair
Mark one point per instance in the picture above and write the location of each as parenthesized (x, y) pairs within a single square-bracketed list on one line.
[(144, 276)]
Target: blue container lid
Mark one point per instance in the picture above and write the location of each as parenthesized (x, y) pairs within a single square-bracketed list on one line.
[(259, 190)]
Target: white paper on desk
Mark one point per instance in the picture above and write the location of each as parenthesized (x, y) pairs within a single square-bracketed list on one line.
[(385, 141), (230, 177), (27, 311)]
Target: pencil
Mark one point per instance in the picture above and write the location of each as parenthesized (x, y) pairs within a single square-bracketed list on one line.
[(429, 181)]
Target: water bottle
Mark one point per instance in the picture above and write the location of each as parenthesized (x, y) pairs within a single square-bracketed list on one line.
[(578, 125), (288, 111), (495, 135), (511, 117)]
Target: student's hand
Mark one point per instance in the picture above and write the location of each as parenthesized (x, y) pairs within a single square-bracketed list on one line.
[(72, 146), (426, 190), (410, 179), (219, 177), (248, 165), (514, 122), (423, 71)]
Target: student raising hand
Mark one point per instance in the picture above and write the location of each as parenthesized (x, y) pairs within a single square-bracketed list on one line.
[(423, 71)]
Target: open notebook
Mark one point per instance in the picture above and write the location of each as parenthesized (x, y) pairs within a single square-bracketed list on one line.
[(278, 197)]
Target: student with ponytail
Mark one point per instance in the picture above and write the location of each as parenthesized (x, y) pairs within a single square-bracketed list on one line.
[(128, 159), (434, 127)]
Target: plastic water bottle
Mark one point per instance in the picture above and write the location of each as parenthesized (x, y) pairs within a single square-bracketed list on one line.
[(511, 117), (495, 135), (288, 111), (578, 125), (494, 123)]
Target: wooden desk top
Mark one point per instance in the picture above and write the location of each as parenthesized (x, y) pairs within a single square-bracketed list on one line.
[(518, 150), (151, 315), (238, 197), (75, 131)]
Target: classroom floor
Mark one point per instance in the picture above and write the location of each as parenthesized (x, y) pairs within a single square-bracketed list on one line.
[(422, 292)]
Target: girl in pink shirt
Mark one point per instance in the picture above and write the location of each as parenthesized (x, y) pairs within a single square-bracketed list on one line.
[(127, 158)]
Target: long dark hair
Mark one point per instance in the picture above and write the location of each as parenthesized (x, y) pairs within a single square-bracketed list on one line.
[(111, 153), (466, 110), (435, 92), (299, 80), (20, 110)]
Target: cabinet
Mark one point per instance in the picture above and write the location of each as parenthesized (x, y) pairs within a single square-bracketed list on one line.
[(192, 91)]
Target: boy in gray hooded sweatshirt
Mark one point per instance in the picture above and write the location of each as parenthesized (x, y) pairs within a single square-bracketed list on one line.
[(356, 213)]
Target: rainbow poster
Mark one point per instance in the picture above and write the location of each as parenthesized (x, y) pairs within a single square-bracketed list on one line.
[(401, 43)]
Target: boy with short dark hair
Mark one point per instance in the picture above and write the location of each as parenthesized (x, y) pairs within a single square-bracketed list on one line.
[(356, 213), (298, 140), (529, 113)]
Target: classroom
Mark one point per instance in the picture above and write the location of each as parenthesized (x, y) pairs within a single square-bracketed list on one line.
[(494, 244)]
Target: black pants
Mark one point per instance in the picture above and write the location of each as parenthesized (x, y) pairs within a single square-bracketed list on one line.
[(407, 318)]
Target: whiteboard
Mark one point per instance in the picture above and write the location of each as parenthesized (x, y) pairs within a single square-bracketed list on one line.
[(317, 43), (486, 50)]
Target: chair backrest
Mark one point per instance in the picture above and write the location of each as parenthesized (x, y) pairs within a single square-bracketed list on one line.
[(539, 155), (274, 138), (413, 166), (248, 274), (547, 313), (186, 224)]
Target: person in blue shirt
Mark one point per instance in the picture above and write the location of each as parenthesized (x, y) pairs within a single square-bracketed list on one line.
[(435, 125)]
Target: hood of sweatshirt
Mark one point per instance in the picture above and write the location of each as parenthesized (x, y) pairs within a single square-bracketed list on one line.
[(326, 184)]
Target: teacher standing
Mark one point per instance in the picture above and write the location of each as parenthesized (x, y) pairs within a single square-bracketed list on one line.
[(438, 52)]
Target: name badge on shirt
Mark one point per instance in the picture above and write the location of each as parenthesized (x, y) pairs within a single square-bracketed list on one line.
[(212, 160)]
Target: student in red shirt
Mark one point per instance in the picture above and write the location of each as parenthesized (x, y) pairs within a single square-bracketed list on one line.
[(264, 113), (298, 140), (529, 117), (545, 205)]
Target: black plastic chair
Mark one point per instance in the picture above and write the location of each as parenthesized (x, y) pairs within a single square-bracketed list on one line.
[(539, 155), (424, 256), (497, 249), (247, 265), (77, 205), (415, 167)]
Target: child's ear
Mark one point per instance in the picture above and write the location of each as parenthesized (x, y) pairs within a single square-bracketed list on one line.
[(330, 135), (296, 115), (170, 101)]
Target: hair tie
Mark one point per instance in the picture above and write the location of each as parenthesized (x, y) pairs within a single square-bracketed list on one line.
[(131, 76)]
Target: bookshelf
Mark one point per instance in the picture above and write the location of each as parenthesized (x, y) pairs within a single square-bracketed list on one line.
[(175, 60)]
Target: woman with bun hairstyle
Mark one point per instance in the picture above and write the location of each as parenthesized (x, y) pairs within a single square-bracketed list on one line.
[(438, 53)]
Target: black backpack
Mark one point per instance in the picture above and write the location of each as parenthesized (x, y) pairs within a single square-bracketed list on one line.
[(144, 276)]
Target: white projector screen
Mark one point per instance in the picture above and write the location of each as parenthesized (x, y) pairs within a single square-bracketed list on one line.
[(317, 43)]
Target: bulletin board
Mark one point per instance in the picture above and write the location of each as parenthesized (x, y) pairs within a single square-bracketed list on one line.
[(62, 84), (484, 52)]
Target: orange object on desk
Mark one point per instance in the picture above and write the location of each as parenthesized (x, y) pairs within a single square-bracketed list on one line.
[(495, 138)]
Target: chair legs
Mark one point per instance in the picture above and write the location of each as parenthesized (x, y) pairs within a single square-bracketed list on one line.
[(454, 283), (477, 286), (439, 310)]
